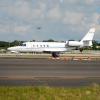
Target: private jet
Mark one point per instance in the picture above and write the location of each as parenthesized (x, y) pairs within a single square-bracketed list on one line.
[(55, 48)]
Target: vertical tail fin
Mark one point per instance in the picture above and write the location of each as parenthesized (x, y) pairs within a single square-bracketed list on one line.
[(87, 39), (89, 36)]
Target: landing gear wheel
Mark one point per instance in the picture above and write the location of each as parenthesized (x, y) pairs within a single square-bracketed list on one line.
[(55, 54)]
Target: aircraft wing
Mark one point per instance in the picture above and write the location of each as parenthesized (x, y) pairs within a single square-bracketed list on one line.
[(55, 49)]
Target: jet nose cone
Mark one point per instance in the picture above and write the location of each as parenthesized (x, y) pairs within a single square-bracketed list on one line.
[(9, 48), (12, 49)]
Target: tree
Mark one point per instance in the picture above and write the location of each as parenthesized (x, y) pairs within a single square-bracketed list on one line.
[(95, 44), (50, 40), (16, 43), (4, 45)]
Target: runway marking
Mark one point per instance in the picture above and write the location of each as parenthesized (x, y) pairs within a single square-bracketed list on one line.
[(77, 58)]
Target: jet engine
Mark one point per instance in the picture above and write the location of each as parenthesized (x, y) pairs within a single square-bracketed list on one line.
[(74, 43)]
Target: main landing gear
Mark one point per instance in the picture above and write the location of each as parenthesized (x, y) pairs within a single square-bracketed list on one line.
[(55, 55)]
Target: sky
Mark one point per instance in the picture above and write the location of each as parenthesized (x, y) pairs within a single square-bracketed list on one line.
[(39, 20)]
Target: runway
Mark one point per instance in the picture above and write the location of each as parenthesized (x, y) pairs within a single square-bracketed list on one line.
[(50, 72)]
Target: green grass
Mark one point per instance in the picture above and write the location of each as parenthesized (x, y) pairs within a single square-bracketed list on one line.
[(49, 93)]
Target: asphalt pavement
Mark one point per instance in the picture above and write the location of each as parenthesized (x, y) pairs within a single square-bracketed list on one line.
[(50, 72)]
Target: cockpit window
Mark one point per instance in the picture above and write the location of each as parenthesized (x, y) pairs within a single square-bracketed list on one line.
[(23, 44)]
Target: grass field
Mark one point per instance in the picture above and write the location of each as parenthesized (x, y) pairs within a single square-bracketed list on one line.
[(50, 93)]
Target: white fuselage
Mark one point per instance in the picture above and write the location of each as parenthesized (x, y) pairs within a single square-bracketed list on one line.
[(40, 47)]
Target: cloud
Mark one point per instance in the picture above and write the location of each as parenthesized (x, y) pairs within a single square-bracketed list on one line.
[(89, 2), (54, 13), (39, 11), (21, 16), (18, 8), (95, 18), (86, 2), (91, 20), (73, 18), (23, 9), (13, 27), (21, 29)]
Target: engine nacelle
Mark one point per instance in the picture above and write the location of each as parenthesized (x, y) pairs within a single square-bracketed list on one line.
[(74, 43)]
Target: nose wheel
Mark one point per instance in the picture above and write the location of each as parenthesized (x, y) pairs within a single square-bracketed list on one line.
[(81, 50)]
